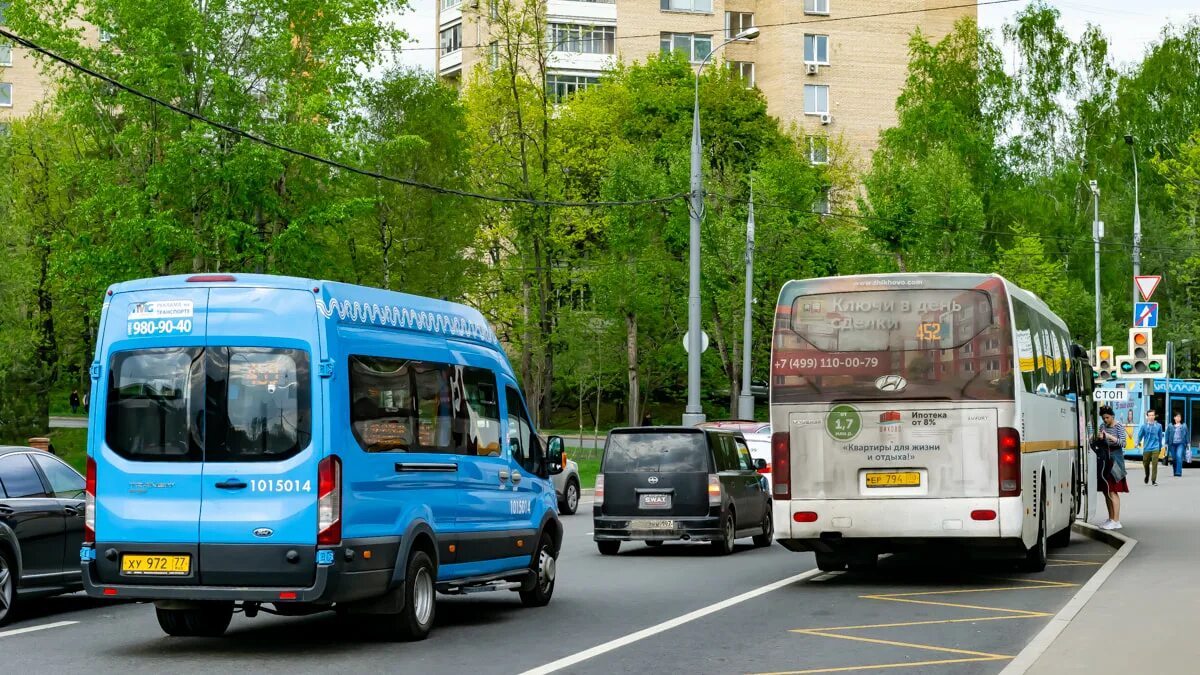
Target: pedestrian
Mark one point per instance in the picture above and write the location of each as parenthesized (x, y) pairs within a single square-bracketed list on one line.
[(74, 401), (1150, 440), (1110, 448), (1177, 442), (85, 403)]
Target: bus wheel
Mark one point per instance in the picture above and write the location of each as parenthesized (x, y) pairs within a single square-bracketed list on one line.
[(1035, 558), (830, 562)]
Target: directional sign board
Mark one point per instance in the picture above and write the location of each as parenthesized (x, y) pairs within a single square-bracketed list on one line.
[(1146, 285), (1145, 315)]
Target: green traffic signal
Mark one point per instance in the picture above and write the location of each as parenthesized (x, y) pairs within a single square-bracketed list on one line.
[(1127, 367), (1095, 374), (1155, 366)]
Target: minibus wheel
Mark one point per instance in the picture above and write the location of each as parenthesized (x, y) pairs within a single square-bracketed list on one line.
[(545, 568), (415, 619)]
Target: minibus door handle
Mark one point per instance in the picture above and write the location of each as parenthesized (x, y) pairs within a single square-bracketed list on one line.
[(231, 484), (503, 476)]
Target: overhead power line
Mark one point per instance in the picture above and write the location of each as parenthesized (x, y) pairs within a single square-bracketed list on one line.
[(318, 158)]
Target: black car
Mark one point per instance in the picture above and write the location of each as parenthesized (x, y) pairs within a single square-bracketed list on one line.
[(41, 526), (679, 483)]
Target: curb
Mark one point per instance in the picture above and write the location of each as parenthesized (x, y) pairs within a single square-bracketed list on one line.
[(1028, 656), (589, 492)]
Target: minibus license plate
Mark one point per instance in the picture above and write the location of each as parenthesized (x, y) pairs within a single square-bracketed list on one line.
[(164, 565), (656, 501), (651, 524), (894, 479)]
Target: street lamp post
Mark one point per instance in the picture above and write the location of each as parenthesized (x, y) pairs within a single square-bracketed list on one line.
[(1137, 217), (746, 399), (1097, 233), (694, 414)]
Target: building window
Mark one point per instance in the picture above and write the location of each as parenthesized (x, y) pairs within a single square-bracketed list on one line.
[(580, 39), (821, 205), (816, 6), (494, 8), (494, 55), (818, 150), (3, 8), (704, 6), (450, 4), (744, 70), (5, 55), (695, 47), (560, 86), (816, 49), (736, 22), (451, 38), (6, 95), (816, 99)]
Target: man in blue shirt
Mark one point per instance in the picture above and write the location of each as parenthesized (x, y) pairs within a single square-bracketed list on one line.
[(1150, 440)]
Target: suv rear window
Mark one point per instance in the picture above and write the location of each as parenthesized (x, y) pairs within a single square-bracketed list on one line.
[(661, 452), (220, 404)]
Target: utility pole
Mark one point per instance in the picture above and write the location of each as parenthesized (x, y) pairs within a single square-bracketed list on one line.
[(746, 399), (1097, 233)]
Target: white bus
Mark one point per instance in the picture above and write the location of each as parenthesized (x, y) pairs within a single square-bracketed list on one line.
[(918, 410)]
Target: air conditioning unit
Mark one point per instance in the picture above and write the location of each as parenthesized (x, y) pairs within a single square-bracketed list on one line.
[(811, 68), (826, 119)]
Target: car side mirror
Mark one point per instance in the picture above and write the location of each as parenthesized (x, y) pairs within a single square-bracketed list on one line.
[(556, 459), (760, 464)]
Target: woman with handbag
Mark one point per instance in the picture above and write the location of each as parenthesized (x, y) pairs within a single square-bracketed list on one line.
[(1110, 448), (1177, 439)]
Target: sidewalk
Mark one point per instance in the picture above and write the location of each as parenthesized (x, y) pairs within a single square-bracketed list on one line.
[(1144, 618)]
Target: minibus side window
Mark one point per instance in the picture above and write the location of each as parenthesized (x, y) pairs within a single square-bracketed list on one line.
[(479, 429), (154, 405), (381, 404)]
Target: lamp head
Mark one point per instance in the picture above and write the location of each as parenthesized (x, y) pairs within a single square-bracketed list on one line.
[(1129, 139), (748, 34)]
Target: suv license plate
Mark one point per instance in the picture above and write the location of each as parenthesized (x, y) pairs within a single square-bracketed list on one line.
[(656, 501), (167, 564), (651, 524), (894, 479)]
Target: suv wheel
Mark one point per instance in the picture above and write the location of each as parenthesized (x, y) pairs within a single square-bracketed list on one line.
[(570, 501), (768, 531), (724, 545), (209, 620), (608, 547), (546, 567), (8, 586)]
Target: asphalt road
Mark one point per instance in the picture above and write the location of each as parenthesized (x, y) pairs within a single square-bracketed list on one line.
[(737, 614)]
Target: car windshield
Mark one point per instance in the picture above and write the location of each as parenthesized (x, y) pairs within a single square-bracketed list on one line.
[(670, 452)]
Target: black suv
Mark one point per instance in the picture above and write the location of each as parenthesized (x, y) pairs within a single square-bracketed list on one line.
[(679, 483)]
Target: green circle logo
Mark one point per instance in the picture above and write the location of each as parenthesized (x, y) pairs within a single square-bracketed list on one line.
[(843, 423)]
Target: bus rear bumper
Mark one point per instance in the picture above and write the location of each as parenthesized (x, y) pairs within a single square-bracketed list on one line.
[(892, 524)]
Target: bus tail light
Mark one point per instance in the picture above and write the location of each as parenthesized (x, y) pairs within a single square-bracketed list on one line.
[(781, 463), (714, 490), (1008, 446), (89, 503), (329, 501), (805, 516), (598, 495)]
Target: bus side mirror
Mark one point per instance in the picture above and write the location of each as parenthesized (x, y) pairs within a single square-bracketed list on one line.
[(555, 455)]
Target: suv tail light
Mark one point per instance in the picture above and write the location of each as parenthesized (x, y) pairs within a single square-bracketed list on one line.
[(781, 461), (329, 501), (765, 470), (89, 503), (598, 495), (714, 490), (1008, 450)]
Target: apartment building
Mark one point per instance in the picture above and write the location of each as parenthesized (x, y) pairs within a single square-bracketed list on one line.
[(832, 67)]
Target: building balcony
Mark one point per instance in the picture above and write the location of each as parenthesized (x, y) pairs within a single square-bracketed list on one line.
[(449, 64), (584, 62), (602, 12)]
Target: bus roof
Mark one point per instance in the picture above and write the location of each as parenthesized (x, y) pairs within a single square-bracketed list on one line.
[(347, 303)]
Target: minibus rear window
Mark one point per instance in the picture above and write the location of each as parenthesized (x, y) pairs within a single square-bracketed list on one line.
[(154, 402)]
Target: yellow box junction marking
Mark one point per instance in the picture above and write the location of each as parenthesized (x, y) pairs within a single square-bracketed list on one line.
[(963, 655)]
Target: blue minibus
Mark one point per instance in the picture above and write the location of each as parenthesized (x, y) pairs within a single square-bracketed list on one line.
[(291, 446)]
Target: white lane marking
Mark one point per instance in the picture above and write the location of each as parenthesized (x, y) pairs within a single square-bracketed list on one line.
[(1042, 641), (20, 631), (667, 625)]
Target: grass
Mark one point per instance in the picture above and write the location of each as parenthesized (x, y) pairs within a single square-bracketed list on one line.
[(588, 468), (71, 446)]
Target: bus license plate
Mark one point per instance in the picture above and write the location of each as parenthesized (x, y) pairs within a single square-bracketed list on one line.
[(168, 565), (894, 479)]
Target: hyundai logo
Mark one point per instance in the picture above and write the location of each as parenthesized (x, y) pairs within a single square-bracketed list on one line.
[(891, 383), (264, 532), (653, 480)]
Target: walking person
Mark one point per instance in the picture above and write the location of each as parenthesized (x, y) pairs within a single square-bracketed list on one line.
[(1177, 443), (1150, 440), (1110, 450), (74, 401)]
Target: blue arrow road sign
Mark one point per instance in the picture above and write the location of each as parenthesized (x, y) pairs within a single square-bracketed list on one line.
[(1145, 315)]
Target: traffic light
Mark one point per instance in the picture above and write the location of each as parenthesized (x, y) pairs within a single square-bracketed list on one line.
[(1104, 364), (1141, 362)]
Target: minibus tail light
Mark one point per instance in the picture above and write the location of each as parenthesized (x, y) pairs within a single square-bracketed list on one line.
[(211, 278), (89, 503), (329, 501), (781, 465), (1008, 446)]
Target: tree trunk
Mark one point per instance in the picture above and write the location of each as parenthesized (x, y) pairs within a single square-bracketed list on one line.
[(527, 338), (631, 352), (728, 364)]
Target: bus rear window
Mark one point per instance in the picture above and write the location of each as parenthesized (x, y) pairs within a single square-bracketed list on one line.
[(899, 343)]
